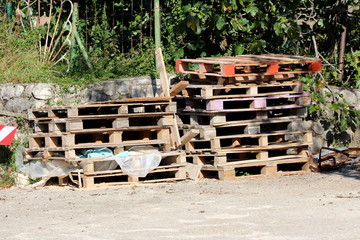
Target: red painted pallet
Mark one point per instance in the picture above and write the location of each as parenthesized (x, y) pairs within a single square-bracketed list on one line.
[(244, 80), (247, 65)]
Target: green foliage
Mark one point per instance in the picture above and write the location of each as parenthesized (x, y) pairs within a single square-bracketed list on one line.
[(19, 58), (332, 109), (7, 163), (353, 69), (136, 63), (191, 29), (7, 167), (242, 173)]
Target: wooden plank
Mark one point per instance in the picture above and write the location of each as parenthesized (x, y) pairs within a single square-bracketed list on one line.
[(11, 114), (175, 133), (193, 171), (130, 100), (178, 87), (163, 75), (188, 136)]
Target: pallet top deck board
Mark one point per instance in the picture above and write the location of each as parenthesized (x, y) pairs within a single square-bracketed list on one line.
[(134, 100), (258, 59)]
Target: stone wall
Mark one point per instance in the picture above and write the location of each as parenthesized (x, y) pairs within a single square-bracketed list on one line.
[(17, 99), (321, 126)]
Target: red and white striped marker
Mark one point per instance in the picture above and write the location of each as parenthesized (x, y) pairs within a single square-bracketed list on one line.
[(7, 134)]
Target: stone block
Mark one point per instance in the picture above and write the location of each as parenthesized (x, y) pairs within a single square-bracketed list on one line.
[(43, 91), (318, 128), (18, 105)]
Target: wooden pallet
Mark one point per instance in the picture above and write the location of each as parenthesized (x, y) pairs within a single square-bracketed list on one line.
[(70, 154), (160, 174), (251, 116), (95, 111), (243, 104), (244, 80), (171, 168), (132, 136), (258, 169), (249, 141), (261, 141), (237, 91), (225, 158), (105, 124), (207, 132), (248, 65)]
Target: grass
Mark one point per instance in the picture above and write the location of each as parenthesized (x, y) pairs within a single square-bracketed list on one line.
[(7, 167)]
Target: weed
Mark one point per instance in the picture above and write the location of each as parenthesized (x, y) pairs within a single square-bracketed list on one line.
[(242, 173)]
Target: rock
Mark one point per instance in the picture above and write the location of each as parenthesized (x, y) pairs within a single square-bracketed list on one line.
[(318, 128), (296, 126), (123, 88), (350, 97), (11, 91), (307, 125), (110, 88), (29, 90), (97, 96), (18, 105), (142, 80), (318, 143), (138, 91), (43, 91), (355, 141)]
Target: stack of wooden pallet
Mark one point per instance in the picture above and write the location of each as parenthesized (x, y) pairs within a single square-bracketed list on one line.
[(246, 114), (63, 133)]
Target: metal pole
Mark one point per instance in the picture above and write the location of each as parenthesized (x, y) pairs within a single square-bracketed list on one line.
[(9, 10), (342, 53), (157, 23)]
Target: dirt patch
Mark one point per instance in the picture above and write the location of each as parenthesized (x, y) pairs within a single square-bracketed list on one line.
[(314, 206)]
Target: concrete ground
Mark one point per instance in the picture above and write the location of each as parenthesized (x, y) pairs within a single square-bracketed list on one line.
[(314, 206)]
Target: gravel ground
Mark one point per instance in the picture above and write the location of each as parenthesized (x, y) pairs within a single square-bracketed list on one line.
[(314, 206)]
